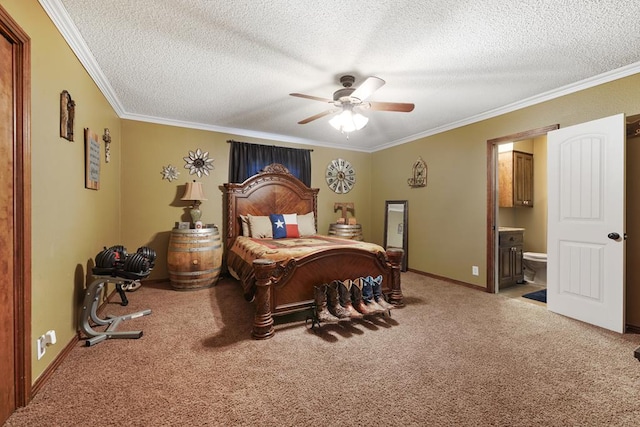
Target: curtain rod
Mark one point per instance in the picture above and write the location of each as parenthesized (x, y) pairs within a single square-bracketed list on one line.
[(229, 141)]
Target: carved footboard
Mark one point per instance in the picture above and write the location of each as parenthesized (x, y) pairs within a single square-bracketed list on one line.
[(285, 287), (281, 287)]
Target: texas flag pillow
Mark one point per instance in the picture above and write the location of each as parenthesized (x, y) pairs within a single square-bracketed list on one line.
[(284, 225)]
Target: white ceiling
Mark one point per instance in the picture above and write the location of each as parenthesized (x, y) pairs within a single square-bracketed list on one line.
[(229, 66)]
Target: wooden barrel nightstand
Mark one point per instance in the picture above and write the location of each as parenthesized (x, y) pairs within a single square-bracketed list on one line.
[(194, 258), (346, 231)]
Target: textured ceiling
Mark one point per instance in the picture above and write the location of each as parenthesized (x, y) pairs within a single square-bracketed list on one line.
[(229, 66)]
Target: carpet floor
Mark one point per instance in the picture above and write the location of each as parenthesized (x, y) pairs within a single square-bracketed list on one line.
[(453, 356)]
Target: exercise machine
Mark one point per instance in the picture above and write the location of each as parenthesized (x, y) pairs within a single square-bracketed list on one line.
[(126, 271)]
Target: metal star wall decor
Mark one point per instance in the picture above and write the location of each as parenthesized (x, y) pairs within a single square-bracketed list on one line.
[(170, 173), (198, 163)]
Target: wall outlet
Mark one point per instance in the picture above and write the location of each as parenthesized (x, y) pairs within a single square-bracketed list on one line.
[(475, 270), (41, 346), (49, 338)]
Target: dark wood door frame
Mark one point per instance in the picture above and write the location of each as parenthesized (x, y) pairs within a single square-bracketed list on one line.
[(22, 200), (492, 147)]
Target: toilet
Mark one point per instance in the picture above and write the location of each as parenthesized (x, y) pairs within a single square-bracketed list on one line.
[(535, 268)]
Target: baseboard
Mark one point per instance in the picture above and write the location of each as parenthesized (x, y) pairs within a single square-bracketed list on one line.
[(49, 370), (447, 279), (633, 329)]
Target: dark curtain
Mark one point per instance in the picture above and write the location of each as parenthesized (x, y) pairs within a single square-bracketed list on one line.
[(246, 160)]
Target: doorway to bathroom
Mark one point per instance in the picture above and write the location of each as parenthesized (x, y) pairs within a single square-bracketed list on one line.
[(516, 224)]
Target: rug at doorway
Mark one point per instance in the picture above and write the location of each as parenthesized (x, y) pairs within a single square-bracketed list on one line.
[(540, 295)]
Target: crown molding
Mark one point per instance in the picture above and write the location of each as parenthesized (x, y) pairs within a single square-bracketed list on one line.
[(239, 132), (590, 82), (69, 31), (61, 19)]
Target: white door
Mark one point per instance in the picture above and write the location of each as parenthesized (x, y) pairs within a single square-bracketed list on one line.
[(585, 266)]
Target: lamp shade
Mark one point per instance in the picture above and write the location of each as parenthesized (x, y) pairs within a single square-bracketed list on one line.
[(348, 121), (193, 191)]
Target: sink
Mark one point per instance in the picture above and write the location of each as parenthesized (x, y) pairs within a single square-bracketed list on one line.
[(510, 229)]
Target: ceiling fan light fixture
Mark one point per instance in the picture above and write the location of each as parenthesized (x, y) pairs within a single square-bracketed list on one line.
[(348, 121)]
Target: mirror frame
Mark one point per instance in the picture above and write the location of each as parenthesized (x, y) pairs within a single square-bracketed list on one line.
[(405, 229)]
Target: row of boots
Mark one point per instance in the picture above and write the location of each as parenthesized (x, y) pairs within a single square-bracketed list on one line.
[(349, 299)]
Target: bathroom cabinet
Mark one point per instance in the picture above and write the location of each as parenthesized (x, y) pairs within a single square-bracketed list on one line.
[(510, 250), (515, 179)]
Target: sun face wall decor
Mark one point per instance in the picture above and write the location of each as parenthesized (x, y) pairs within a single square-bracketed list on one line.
[(340, 176), (198, 163)]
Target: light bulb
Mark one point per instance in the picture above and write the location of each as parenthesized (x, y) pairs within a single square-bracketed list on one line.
[(347, 121)]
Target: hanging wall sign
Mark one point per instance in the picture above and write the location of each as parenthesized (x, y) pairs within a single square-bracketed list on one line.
[(92, 160)]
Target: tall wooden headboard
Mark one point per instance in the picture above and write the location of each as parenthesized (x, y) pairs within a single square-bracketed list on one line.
[(273, 190)]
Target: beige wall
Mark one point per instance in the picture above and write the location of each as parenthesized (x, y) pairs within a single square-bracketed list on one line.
[(447, 219), (135, 206), (70, 224), (151, 205)]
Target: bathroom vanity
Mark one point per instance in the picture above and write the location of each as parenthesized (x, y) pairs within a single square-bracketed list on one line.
[(510, 250)]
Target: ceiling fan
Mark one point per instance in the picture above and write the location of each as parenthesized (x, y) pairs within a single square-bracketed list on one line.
[(349, 99)]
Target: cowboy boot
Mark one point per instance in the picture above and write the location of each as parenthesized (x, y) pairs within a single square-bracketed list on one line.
[(320, 297), (356, 297), (367, 297), (376, 284), (344, 293), (334, 304)]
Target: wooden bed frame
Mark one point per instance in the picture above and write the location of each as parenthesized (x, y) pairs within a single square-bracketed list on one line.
[(287, 286)]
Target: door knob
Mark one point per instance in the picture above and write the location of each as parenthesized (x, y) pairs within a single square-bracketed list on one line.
[(613, 236)]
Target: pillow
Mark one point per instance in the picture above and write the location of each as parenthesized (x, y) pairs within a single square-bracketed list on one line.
[(244, 220), (307, 225), (284, 225), (260, 227)]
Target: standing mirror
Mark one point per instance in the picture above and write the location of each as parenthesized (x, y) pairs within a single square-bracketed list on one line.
[(396, 221)]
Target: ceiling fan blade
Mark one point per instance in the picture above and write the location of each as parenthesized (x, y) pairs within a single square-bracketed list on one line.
[(317, 116), (367, 88), (391, 106), (315, 98)]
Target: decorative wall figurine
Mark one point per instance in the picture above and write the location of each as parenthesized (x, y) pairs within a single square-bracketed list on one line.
[(170, 173), (344, 208), (419, 178), (198, 163), (107, 145), (67, 113)]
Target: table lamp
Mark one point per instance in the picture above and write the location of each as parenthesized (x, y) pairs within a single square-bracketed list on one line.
[(193, 191)]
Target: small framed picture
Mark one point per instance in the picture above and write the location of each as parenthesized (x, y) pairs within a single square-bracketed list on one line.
[(183, 225)]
